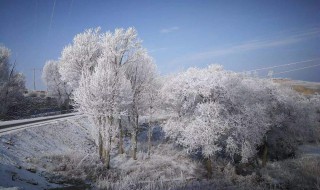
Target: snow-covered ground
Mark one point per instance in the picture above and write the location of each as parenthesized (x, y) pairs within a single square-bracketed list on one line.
[(63, 153), (41, 157), (25, 154)]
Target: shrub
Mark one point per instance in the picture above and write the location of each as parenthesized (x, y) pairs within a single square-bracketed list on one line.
[(226, 114)]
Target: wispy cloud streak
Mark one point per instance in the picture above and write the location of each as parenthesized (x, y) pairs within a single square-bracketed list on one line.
[(157, 49), (169, 30), (51, 18), (252, 45)]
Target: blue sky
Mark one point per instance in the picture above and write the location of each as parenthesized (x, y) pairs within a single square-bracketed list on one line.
[(240, 35)]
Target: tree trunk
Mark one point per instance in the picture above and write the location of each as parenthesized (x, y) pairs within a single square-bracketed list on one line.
[(99, 122), (107, 152), (134, 138), (150, 129), (208, 165), (149, 138), (100, 146), (68, 104), (134, 144), (103, 142), (104, 156), (121, 150), (265, 155)]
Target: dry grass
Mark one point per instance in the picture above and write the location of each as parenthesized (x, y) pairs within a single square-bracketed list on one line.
[(301, 173), (304, 90), (167, 168), (73, 165), (309, 88), (281, 80)]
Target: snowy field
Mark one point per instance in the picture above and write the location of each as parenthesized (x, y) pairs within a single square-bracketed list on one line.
[(304, 87), (63, 155), (59, 155)]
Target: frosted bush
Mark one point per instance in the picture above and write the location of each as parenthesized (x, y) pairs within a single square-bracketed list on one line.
[(226, 113)]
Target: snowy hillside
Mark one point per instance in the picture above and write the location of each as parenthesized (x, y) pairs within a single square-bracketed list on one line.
[(31, 149)]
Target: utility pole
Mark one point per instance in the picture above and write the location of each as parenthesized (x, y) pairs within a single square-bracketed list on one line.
[(34, 77)]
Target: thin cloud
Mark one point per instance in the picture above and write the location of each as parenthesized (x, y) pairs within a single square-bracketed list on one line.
[(51, 18), (251, 46), (157, 49), (169, 30)]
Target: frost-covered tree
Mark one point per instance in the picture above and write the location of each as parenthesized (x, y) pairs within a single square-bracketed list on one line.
[(120, 50), (141, 74), (4, 63), (294, 120), (12, 84), (102, 94), (82, 54), (220, 112), (4, 78), (270, 73), (152, 102), (122, 46), (56, 87), (123, 49)]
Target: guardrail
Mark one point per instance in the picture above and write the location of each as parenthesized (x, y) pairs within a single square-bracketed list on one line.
[(52, 113), (13, 123)]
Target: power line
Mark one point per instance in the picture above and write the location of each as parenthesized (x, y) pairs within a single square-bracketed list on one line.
[(276, 66), (296, 69)]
